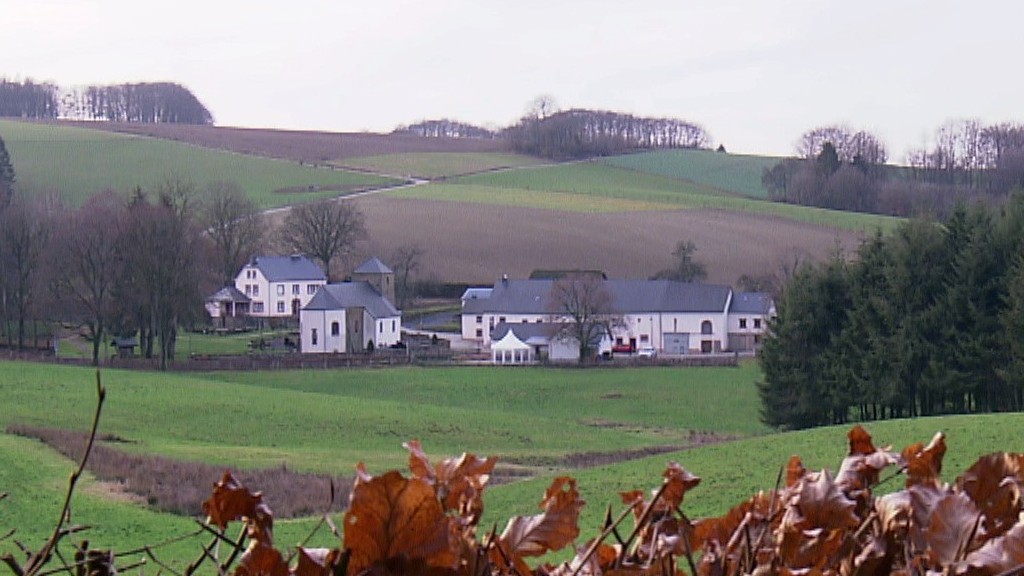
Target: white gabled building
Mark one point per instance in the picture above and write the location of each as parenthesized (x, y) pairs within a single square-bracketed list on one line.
[(349, 316), (673, 317), (279, 286)]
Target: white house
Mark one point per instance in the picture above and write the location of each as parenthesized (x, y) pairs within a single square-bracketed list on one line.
[(279, 286), (672, 317), (526, 343), (349, 316)]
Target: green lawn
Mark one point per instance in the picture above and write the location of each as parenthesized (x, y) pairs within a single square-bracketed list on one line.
[(524, 198), (78, 162), (737, 173), (431, 165)]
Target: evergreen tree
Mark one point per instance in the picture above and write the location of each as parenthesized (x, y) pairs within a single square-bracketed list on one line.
[(1012, 319), (801, 384)]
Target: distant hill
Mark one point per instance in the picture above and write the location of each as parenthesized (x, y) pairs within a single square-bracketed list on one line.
[(737, 173)]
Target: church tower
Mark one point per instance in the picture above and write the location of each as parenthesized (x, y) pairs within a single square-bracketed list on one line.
[(378, 275)]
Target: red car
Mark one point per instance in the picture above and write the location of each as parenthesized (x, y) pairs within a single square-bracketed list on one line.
[(622, 349)]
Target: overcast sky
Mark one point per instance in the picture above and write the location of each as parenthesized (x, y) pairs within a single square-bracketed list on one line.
[(754, 73)]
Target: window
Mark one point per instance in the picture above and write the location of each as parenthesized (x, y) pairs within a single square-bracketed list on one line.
[(479, 319), (257, 307), (310, 289), (280, 289), (248, 289), (255, 289), (706, 346), (280, 307), (501, 319), (393, 326), (743, 322), (644, 338), (295, 289), (525, 321), (757, 323), (335, 329), (312, 336), (705, 327), (479, 333)]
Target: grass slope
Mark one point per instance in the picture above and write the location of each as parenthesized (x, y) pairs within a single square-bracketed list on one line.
[(734, 471), (604, 181), (736, 173), (328, 421), (431, 165), (78, 163)]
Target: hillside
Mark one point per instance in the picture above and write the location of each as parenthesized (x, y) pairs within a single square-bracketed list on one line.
[(514, 215), (78, 162)]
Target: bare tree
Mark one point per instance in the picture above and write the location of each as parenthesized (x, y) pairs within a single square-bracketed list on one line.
[(325, 231), (582, 305), (685, 268), (86, 252), (405, 261), (542, 106), (24, 237), (234, 224)]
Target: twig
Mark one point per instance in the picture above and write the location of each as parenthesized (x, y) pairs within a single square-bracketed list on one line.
[(1015, 571), (160, 563), (615, 530), (317, 527), (8, 534), (40, 558), (686, 541), (168, 542), (597, 541), (12, 564), (234, 552), (642, 520)]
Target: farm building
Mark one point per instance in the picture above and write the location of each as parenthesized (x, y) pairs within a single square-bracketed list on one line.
[(279, 286), (352, 316), (672, 317), (526, 343), (228, 308)]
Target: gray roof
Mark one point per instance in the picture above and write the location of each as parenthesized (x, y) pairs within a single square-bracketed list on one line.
[(542, 332), (476, 293), (284, 268), (373, 266), (628, 297), (352, 295), (228, 294), (751, 303)]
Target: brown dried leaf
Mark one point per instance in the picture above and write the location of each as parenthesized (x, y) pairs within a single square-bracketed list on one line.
[(232, 501), (818, 503), (994, 482), (635, 500), (553, 529), (317, 561), (459, 482), (261, 560), (794, 471), (953, 521), (394, 517), (894, 512), (924, 463), (996, 556), (860, 441), (678, 482)]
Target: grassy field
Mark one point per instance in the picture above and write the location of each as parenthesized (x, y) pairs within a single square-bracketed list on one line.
[(432, 165), (78, 163), (604, 181), (327, 420), (736, 173)]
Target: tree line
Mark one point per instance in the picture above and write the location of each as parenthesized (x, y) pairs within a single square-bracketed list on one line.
[(445, 128), (580, 133), (840, 168), (927, 320), (146, 102), (140, 265)]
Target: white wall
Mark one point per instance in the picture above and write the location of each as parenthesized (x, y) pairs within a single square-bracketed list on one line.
[(321, 321), (251, 282)]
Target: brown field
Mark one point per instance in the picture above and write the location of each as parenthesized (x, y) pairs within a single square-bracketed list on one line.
[(301, 146), (478, 243)]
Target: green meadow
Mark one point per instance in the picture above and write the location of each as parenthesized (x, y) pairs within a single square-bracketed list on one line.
[(431, 165), (585, 184), (78, 162), (736, 173), (326, 421)]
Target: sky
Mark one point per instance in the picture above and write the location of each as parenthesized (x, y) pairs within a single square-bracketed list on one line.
[(755, 74)]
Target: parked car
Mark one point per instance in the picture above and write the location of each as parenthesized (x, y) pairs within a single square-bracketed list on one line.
[(647, 352), (622, 349)]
